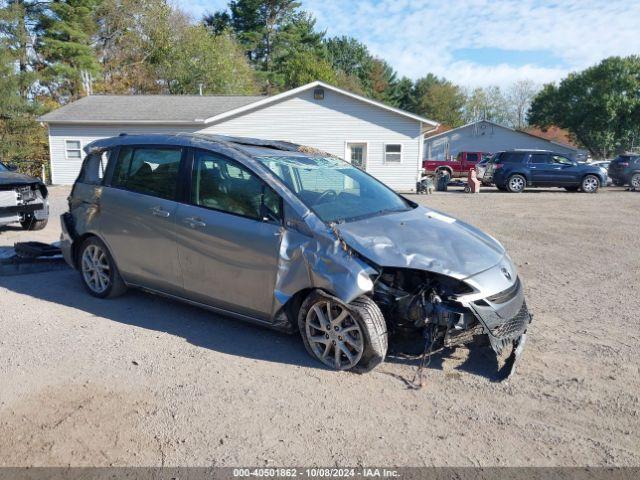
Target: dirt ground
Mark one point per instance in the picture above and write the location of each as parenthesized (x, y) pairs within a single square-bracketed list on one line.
[(141, 380)]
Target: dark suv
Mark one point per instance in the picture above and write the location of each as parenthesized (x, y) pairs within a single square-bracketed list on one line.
[(625, 169), (514, 170)]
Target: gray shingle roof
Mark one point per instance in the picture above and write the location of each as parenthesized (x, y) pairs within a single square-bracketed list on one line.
[(147, 108)]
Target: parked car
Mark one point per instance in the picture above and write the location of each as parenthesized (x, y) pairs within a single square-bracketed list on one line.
[(514, 170), (23, 199), (459, 167), (625, 170), (271, 233)]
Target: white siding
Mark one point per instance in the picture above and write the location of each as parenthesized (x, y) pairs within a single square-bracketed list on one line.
[(325, 124), (64, 171)]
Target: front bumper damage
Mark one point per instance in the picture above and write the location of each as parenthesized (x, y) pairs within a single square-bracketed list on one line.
[(17, 202)]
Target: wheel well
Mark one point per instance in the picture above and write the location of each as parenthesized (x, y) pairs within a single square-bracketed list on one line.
[(76, 245), (601, 180), (448, 169)]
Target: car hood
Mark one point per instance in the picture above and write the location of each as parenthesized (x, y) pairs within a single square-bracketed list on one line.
[(12, 178), (423, 239)]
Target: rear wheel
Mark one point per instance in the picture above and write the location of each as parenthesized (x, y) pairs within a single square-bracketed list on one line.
[(98, 270), (31, 223), (343, 337), (590, 184), (635, 181), (516, 183)]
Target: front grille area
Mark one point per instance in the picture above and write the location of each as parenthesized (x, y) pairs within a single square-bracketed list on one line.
[(505, 295), (514, 327)]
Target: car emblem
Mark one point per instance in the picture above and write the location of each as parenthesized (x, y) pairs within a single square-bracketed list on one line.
[(506, 273)]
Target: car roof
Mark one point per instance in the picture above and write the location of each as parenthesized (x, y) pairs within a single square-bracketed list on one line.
[(249, 146)]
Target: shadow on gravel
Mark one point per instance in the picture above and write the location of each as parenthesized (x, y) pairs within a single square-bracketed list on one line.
[(480, 360), (209, 330)]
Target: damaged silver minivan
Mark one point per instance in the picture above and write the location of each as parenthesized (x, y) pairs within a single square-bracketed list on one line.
[(287, 237)]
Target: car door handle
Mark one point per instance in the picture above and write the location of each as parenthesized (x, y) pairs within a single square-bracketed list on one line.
[(194, 222), (159, 212)]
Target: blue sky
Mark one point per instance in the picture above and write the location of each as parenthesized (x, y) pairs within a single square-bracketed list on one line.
[(479, 42)]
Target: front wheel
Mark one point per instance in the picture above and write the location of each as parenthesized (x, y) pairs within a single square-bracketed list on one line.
[(590, 184), (343, 336), (516, 183), (98, 270)]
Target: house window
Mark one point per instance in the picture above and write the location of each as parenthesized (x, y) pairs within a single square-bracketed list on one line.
[(73, 149), (393, 153)]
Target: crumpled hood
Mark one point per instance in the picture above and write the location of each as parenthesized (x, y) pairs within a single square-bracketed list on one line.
[(423, 239), (13, 178)]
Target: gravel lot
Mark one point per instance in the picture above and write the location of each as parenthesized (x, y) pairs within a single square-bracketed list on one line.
[(146, 381)]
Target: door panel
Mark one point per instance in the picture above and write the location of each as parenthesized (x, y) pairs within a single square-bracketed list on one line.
[(140, 232), (541, 168), (228, 261), (228, 236), (138, 216)]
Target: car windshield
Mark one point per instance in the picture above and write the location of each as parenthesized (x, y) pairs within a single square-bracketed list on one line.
[(3, 168), (333, 189)]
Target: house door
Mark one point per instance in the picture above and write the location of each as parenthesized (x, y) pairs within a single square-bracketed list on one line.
[(357, 155)]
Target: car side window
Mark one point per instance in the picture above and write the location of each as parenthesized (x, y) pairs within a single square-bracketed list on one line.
[(559, 159), (472, 157), (224, 185), (94, 167), (539, 158), (148, 170)]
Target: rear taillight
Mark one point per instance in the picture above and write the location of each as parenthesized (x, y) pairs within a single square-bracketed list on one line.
[(497, 166), (624, 164)]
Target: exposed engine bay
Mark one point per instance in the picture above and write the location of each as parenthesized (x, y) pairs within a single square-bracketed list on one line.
[(434, 305)]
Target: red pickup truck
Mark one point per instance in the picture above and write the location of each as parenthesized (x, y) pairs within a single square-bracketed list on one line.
[(459, 167)]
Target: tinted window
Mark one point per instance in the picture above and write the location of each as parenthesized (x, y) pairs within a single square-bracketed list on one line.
[(151, 171), (539, 158), (3, 168), (223, 185), (472, 157), (512, 157)]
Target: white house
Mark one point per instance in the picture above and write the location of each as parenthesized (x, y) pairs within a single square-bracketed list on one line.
[(385, 141)]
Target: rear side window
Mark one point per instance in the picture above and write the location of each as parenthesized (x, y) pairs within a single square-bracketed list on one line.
[(94, 167), (151, 171), (539, 158), (512, 157)]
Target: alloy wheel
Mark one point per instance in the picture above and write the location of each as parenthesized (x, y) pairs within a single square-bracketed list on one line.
[(334, 335), (635, 181), (516, 184), (590, 184), (95, 269)]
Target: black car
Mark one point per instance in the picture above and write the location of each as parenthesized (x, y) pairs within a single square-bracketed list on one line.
[(23, 199), (514, 170), (625, 170)]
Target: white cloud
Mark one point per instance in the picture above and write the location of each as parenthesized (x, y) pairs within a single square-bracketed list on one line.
[(421, 36)]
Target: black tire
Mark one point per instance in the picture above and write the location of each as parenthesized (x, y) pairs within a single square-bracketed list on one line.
[(516, 183), (30, 223), (116, 285), (590, 184), (369, 318), (634, 181), (571, 189)]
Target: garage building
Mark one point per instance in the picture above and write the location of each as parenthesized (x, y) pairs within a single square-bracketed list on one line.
[(384, 141), (488, 137)]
